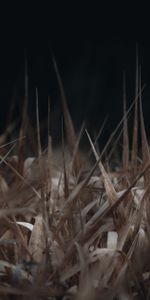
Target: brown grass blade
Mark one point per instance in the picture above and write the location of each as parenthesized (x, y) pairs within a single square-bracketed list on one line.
[(101, 129), (134, 150), (125, 153), (23, 128), (37, 241), (66, 184), (21, 237), (110, 190), (11, 142), (48, 177), (42, 170), (148, 205), (70, 131), (76, 151), (2, 159), (38, 126), (49, 174)]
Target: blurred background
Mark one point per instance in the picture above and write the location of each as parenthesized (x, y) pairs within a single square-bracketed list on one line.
[(93, 47)]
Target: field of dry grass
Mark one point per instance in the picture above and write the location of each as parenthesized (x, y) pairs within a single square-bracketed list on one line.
[(74, 229)]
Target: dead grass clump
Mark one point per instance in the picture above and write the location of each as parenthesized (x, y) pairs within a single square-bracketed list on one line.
[(67, 233)]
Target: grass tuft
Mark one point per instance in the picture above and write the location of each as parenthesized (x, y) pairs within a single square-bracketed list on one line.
[(75, 227)]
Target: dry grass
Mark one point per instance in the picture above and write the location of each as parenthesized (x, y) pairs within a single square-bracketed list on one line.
[(67, 233)]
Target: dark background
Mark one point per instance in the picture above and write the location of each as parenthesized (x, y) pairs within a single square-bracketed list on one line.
[(93, 46)]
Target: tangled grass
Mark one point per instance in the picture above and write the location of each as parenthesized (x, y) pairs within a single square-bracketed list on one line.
[(76, 230)]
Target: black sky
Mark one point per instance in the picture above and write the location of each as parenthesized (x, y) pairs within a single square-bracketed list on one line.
[(93, 46)]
